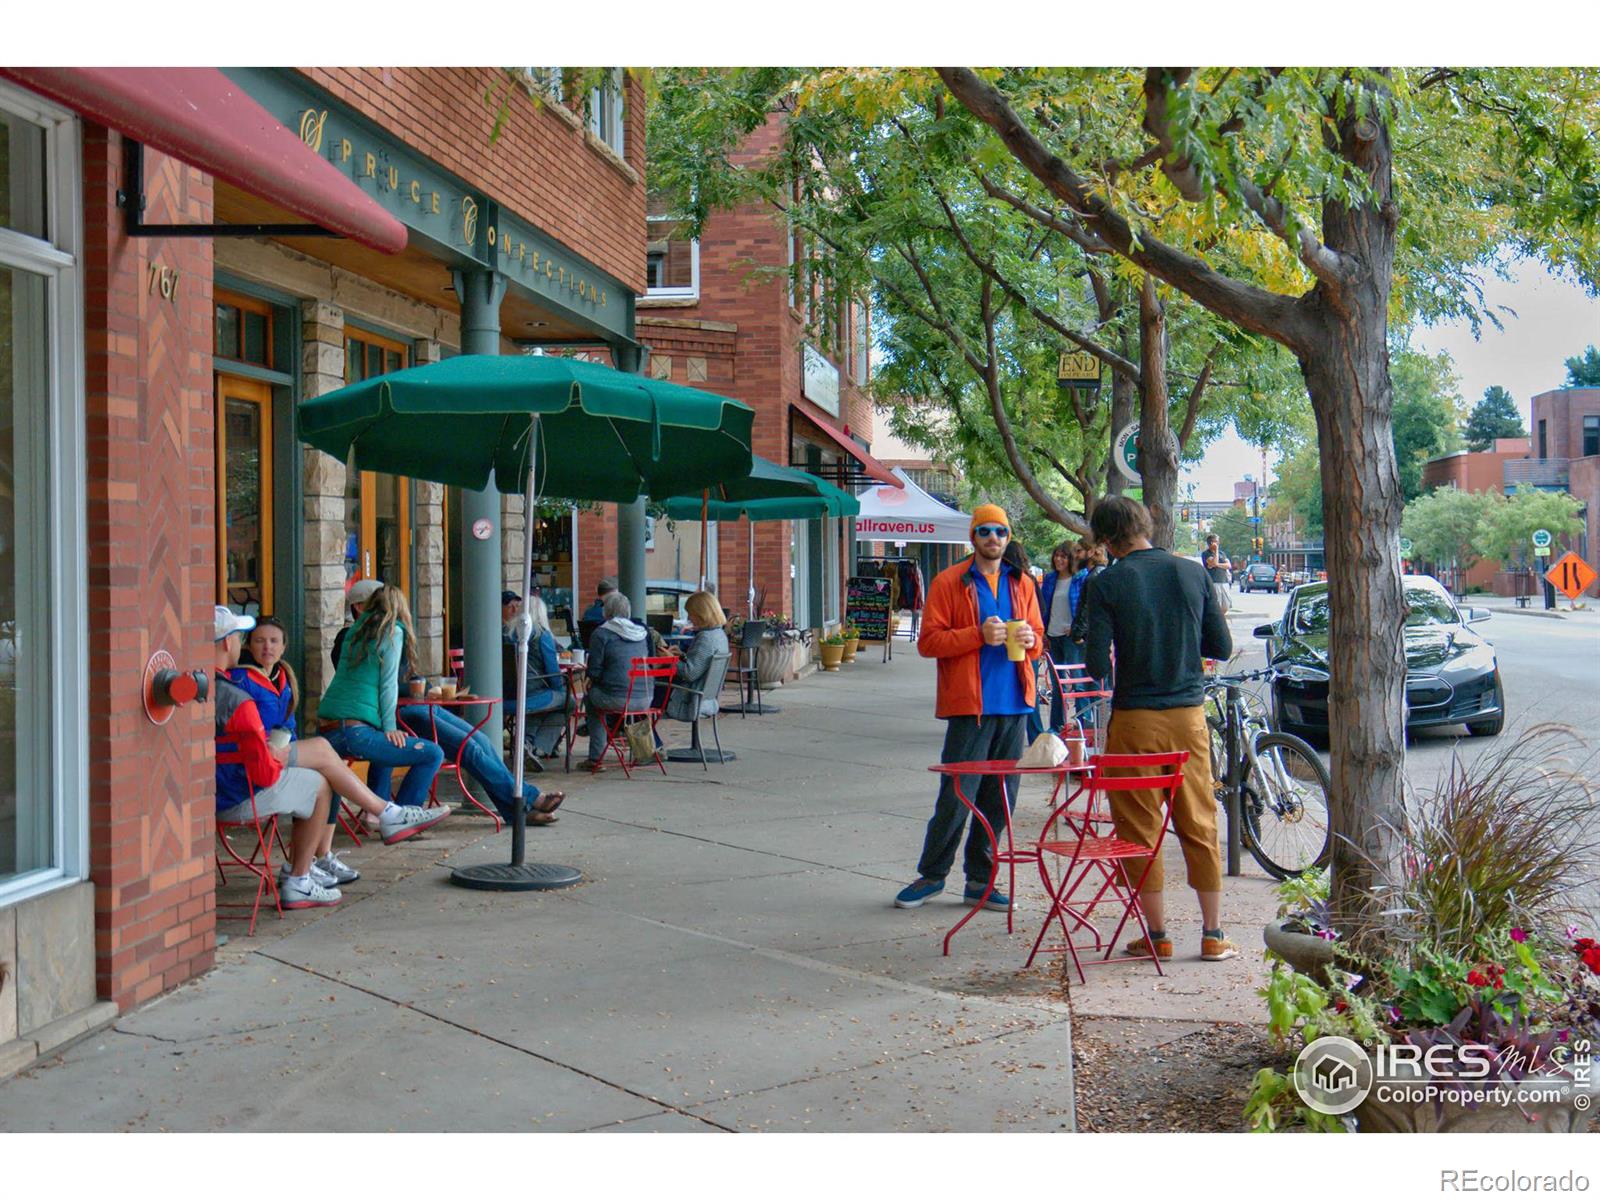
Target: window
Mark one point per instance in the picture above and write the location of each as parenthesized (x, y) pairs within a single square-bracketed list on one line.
[(244, 494), (606, 111), (545, 80), (377, 507), (243, 330), (672, 263), (1591, 436), (43, 668), (1543, 444)]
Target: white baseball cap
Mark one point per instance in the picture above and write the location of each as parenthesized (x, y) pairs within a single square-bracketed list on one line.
[(229, 622), (363, 590)]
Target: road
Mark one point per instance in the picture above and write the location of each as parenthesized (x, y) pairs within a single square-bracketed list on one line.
[(1548, 668)]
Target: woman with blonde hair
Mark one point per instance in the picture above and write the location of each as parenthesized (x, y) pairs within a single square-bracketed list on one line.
[(710, 640), (548, 703), (358, 713)]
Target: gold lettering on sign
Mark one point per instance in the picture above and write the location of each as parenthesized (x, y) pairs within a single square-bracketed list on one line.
[(434, 206), (416, 192), (491, 237), (602, 299), (369, 167), (345, 149), (505, 241), (311, 123), (469, 220), (163, 282), (533, 262), (394, 179), (522, 252)]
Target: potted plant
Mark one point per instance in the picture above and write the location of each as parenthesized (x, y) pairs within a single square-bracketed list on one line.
[(852, 640), (831, 650), (783, 651), (1476, 999)]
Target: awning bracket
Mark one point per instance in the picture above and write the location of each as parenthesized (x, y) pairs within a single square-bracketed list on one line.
[(131, 199)]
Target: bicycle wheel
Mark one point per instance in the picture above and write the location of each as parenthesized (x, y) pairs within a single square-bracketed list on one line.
[(1286, 825), (1216, 724)]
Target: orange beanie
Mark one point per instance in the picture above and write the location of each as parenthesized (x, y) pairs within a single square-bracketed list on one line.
[(989, 514)]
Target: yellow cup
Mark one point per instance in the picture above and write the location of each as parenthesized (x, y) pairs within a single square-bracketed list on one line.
[(1015, 650)]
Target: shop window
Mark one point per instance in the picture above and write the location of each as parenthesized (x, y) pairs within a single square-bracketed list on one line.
[(377, 507), (244, 494), (243, 330), (607, 115), (672, 262), (43, 663)]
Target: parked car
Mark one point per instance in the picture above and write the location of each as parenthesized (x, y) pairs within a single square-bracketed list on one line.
[(1295, 578), (1452, 675), (1261, 577)]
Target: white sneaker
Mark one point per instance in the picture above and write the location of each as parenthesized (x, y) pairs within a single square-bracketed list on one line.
[(319, 876), (309, 894), (339, 871), (400, 822), (369, 822)]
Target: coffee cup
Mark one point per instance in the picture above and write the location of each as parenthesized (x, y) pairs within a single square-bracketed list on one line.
[(447, 690), (1076, 751), (278, 738), (1015, 650), (418, 688)]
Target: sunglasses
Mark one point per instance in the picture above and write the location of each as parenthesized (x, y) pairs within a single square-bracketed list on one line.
[(999, 531)]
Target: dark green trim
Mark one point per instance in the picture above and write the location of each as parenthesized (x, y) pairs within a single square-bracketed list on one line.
[(251, 371)]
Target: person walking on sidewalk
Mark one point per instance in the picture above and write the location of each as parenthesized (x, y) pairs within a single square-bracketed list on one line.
[(984, 698), (1161, 613)]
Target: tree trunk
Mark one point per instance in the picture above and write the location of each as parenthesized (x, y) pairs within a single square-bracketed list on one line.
[(1124, 407), (1346, 368), (1158, 449)]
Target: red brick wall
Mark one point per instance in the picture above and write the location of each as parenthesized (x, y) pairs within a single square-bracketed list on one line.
[(151, 557), (540, 166), (1583, 481)]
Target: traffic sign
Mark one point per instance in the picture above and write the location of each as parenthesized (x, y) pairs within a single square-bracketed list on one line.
[(1571, 576), (1125, 452), (1541, 551), (1405, 546), (1541, 537)]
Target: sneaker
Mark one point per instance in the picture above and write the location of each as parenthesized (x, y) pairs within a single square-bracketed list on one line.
[(341, 871), (369, 822), (1140, 948), (309, 894), (403, 821), (319, 876), (913, 894), (998, 900), (1217, 949)]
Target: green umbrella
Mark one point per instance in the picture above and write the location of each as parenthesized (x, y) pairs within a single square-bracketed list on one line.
[(603, 434), (542, 426)]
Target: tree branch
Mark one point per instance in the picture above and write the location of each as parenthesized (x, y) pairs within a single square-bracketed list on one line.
[(1253, 308), (1191, 408)]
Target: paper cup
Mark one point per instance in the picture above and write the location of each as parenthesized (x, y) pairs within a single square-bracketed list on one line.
[(1015, 650), (278, 738), (1076, 750)]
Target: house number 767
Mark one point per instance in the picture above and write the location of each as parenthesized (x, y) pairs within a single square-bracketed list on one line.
[(164, 280)]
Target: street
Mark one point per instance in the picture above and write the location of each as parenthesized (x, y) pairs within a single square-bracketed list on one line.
[(1547, 667)]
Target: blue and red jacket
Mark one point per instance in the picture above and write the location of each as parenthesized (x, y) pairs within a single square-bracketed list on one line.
[(274, 697), (239, 729)]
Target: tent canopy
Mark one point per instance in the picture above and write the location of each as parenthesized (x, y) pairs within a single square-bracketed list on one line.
[(908, 514)]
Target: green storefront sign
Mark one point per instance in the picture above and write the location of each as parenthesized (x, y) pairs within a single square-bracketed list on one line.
[(457, 224)]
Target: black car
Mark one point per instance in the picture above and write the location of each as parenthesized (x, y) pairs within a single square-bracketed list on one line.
[(1259, 577), (1452, 677)]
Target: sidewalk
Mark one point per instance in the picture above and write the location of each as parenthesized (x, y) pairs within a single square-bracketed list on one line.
[(1563, 611), (731, 962)]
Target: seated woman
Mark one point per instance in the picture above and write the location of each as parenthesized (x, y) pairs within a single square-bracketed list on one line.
[(612, 650), (548, 699), (710, 640)]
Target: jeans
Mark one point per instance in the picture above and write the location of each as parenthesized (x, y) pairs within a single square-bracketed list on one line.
[(368, 742), (478, 758), (547, 719), (1063, 652), (971, 739)]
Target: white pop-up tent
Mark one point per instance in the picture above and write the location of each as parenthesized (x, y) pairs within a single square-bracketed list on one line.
[(908, 514)]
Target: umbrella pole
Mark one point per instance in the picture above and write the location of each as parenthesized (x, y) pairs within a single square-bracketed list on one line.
[(521, 876), (705, 503), (750, 573)]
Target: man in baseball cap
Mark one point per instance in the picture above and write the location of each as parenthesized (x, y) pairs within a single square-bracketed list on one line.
[(229, 623)]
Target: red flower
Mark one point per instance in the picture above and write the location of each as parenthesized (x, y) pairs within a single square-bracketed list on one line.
[(1477, 979), (1591, 958)]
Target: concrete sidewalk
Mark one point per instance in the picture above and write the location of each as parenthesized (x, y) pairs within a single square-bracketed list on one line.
[(731, 962)]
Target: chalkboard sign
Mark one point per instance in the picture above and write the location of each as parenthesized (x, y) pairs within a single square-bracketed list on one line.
[(866, 606)]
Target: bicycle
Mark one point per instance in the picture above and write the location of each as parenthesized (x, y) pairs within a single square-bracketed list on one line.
[(1282, 785)]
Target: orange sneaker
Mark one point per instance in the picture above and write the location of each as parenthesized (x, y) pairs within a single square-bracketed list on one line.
[(1140, 948), (1217, 949)]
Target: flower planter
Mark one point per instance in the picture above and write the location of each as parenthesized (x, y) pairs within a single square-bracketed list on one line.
[(1305, 952), (775, 662), (850, 650), (831, 655)]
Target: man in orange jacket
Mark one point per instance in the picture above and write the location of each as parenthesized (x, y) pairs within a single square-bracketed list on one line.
[(984, 698)]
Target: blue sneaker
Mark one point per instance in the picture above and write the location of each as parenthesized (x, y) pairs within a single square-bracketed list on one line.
[(998, 900), (913, 894)]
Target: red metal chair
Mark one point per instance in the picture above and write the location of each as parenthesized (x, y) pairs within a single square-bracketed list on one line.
[(456, 664), (1089, 854), (1076, 686), (642, 673), (266, 832)]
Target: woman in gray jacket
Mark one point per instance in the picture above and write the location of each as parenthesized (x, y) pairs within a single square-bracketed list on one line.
[(612, 649), (710, 640)]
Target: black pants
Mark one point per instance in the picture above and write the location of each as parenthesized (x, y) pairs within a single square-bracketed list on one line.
[(971, 739)]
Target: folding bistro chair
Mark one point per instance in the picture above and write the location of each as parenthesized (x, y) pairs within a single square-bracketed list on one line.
[(642, 672), (456, 663), (1088, 854), (266, 832), (1081, 693), (705, 704), (751, 635)]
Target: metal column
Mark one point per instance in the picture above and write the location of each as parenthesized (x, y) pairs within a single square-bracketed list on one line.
[(631, 517)]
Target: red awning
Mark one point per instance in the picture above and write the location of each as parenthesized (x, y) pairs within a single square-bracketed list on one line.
[(199, 115), (870, 465)]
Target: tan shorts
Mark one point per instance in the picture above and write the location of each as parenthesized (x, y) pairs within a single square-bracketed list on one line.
[(1138, 816)]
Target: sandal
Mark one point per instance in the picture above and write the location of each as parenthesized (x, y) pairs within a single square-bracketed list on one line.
[(538, 818), (548, 802)]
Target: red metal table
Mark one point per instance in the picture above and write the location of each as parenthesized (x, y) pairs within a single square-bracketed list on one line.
[(1011, 856), (432, 703)]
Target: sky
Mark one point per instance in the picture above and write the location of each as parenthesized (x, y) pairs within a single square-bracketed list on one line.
[(1546, 320)]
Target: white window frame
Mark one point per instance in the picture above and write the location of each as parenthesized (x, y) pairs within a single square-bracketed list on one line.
[(607, 116), (691, 292), (67, 631)]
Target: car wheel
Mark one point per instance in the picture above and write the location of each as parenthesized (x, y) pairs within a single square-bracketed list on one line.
[(1494, 725)]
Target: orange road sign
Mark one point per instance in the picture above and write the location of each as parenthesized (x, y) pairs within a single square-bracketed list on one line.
[(1571, 576)]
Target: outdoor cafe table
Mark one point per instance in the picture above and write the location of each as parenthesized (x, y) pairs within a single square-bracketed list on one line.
[(459, 701), (1002, 769)]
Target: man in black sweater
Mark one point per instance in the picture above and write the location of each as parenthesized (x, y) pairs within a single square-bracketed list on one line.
[(1161, 613)]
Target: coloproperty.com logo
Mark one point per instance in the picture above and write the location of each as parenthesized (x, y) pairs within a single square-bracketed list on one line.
[(1334, 1075)]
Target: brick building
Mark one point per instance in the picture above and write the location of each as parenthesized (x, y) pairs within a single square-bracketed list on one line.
[(1477, 471), (148, 463)]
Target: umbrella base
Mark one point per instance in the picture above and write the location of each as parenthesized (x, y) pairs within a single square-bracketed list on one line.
[(522, 877), (685, 755), (751, 710)]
